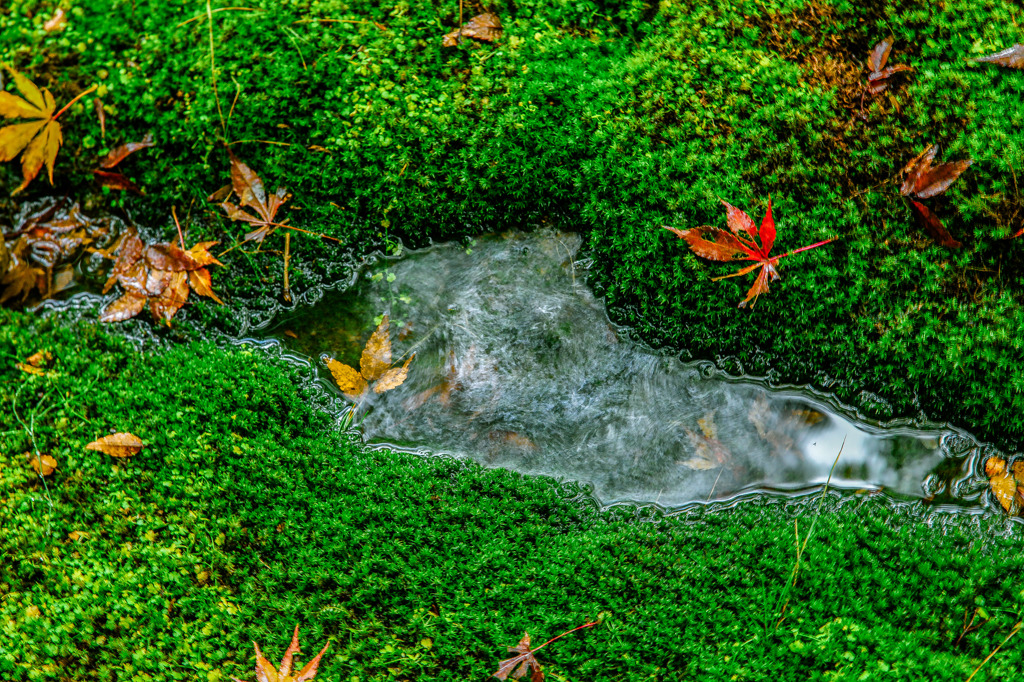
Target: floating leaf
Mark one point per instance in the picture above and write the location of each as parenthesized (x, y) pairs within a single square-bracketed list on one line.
[(374, 365), (117, 445), (1012, 57), (741, 244), (265, 670)]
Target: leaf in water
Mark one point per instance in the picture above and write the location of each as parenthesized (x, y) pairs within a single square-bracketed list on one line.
[(349, 380), (126, 307), (117, 445), (486, 27), (1003, 485), (376, 358), (740, 243), (375, 365), (44, 465), (1012, 57), (265, 670), (711, 453), (394, 377)]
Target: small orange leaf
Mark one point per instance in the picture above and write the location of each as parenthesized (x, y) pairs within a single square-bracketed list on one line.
[(117, 445), (44, 464)]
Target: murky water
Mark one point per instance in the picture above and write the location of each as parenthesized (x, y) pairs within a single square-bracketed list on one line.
[(517, 366)]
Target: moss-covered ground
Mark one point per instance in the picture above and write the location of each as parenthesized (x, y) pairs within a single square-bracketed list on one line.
[(248, 512)]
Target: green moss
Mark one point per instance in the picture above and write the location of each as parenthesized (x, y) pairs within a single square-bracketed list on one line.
[(247, 513)]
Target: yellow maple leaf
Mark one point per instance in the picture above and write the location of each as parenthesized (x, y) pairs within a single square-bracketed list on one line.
[(39, 137), (374, 365)]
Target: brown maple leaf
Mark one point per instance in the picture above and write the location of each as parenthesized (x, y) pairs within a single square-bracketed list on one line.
[(374, 365), (1012, 57), (39, 137), (878, 78), (159, 275), (1007, 486), (923, 181), (108, 177), (524, 660), (486, 27), (248, 188), (265, 670), (711, 453)]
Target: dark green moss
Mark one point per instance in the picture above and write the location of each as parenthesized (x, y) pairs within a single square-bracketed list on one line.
[(614, 117)]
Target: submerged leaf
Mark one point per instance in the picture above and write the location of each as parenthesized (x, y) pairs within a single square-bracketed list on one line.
[(393, 378), (349, 380), (117, 445), (376, 358)]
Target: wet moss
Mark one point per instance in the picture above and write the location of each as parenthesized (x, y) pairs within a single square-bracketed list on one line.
[(248, 512)]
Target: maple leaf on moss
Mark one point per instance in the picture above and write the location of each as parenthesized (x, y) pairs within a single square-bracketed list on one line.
[(265, 670), (39, 137), (741, 244)]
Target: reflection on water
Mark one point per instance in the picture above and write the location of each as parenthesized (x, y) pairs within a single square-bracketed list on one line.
[(517, 366)]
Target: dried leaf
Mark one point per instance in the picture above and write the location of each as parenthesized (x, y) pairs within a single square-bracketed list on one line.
[(729, 246), (1012, 57), (121, 152), (933, 226), (115, 181), (248, 187), (349, 380), (519, 665), (117, 445), (394, 377), (486, 27), (101, 116), (57, 22), (879, 76), (44, 465), (376, 357), (924, 181), (38, 140)]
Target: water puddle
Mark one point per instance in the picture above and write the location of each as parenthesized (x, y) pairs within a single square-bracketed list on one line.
[(517, 366)]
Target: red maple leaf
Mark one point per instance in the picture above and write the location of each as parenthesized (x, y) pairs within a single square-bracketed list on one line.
[(741, 244)]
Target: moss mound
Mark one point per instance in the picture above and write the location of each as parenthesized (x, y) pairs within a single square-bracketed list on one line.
[(247, 513)]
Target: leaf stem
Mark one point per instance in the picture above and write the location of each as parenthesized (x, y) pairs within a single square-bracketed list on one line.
[(68, 105), (807, 248), (567, 632)]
